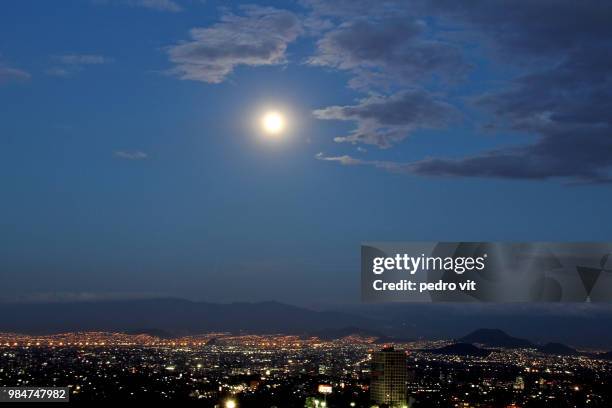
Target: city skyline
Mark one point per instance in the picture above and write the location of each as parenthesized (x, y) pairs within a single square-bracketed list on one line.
[(229, 371)]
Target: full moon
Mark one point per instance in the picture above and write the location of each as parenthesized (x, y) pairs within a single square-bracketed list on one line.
[(273, 123)]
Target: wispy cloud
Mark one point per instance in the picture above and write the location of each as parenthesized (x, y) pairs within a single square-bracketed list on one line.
[(69, 64), (258, 37), (9, 74), (157, 5), (82, 59), (344, 159), (58, 72), (130, 155)]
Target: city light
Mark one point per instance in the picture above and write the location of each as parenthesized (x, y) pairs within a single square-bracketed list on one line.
[(194, 367), (324, 389)]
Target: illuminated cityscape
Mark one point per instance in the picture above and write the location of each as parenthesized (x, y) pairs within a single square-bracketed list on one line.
[(231, 371)]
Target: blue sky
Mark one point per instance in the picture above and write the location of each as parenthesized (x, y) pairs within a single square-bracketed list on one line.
[(130, 164)]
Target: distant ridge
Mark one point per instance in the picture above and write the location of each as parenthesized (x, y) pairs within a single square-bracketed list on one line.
[(558, 349), (604, 356), (499, 338), (496, 338), (339, 333), (170, 317)]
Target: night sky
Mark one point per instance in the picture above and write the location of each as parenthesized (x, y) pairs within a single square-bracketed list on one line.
[(132, 161)]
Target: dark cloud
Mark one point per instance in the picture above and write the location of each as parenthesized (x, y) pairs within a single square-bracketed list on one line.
[(387, 50), (523, 27), (527, 28), (562, 98), (549, 158), (576, 91), (560, 156), (359, 8), (567, 107), (384, 121), (259, 37)]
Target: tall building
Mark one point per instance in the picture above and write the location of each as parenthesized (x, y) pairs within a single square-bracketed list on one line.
[(388, 380)]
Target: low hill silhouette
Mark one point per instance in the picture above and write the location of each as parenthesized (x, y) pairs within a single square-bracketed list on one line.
[(460, 349), (495, 338), (558, 349)]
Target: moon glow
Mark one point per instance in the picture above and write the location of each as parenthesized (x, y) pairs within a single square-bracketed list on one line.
[(273, 123)]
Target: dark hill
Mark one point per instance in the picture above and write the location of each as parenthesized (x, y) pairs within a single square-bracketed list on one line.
[(495, 338), (460, 349), (558, 349)]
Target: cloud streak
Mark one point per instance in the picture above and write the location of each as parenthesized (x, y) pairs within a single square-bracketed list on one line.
[(82, 59), (157, 5), (9, 74), (127, 155), (69, 64)]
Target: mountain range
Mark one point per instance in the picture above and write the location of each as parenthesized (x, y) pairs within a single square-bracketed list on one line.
[(168, 317), (495, 338), (499, 338), (171, 316)]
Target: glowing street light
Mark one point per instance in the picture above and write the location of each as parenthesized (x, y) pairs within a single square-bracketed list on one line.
[(230, 403)]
